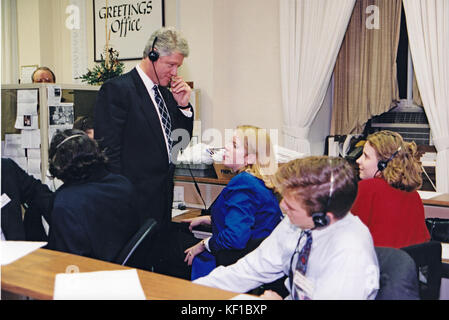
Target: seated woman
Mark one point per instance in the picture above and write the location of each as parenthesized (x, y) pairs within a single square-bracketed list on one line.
[(247, 210), (93, 212), (387, 200)]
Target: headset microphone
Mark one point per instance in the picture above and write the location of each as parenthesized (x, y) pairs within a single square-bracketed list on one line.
[(153, 56)]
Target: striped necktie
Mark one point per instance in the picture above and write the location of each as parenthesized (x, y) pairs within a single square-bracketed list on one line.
[(165, 118), (301, 263)]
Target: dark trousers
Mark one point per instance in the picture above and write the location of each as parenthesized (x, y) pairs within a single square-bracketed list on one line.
[(166, 254)]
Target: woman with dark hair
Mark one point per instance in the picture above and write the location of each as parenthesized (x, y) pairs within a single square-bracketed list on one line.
[(387, 201), (93, 213)]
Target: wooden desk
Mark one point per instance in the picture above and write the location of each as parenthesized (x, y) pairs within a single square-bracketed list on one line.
[(34, 276), (442, 200), (203, 180), (437, 207), (192, 213)]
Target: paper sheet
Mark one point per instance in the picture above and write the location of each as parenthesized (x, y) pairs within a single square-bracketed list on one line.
[(31, 139), (26, 122), (13, 146), (99, 285), (61, 115), (445, 251), (428, 194), (4, 200), (11, 251), (34, 168), (177, 212), (54, 94), (27, 96), (34, 153)]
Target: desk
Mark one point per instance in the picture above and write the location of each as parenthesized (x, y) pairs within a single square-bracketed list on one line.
[(192, 213), (210, 188), (437, 207), (198, 232), (34, 276), (441, 200)]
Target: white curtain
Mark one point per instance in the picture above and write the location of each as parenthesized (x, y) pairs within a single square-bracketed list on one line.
[(9, 52), (311, 32), (428, 32)]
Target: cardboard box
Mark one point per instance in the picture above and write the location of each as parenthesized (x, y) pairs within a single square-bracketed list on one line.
[(223, 172)]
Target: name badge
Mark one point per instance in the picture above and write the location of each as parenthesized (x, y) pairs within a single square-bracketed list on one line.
[(304, 287)]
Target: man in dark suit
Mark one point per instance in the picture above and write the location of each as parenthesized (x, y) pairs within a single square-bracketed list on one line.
[(131, 122)]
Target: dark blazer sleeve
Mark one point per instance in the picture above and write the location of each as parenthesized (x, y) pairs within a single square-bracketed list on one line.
[(68, 233), (25, 190), (111, 112)]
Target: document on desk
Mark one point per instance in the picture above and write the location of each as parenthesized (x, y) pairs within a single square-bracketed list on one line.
[(11, 251), (177, 212), (428, 194), (445, 251), (99, 285)]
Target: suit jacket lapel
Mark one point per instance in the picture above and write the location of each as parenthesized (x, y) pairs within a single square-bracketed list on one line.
[(149, 111)]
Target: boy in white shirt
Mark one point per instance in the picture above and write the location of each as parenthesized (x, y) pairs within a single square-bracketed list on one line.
[(318, 193)]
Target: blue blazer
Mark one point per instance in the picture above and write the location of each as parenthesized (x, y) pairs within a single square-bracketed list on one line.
[(245, 210)]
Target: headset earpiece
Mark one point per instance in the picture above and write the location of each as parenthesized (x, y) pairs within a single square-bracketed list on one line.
[(320, 219), (382, 164), (153, 55)]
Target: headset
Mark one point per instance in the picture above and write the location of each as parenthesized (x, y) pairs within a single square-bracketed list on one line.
[(153, 55), (321, 219), (382, 164)]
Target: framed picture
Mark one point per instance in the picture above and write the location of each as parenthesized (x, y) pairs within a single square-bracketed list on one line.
[(125, 25)]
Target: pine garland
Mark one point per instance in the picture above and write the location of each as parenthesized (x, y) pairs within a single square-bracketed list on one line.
[(107, 69)]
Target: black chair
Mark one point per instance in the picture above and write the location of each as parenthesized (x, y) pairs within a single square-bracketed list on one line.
[(427, 257), (143, 234), (398, 279)]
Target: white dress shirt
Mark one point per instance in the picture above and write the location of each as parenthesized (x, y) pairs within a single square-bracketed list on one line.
[(342, 262), (149, 84)]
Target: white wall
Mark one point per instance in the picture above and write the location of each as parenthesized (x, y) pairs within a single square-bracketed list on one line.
[(234, 56)]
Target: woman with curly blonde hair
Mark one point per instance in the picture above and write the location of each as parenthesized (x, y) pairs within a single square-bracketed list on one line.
[(387, 200)]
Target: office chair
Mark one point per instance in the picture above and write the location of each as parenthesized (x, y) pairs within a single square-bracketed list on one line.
[(427, 257), (144, 233), (398, 279)]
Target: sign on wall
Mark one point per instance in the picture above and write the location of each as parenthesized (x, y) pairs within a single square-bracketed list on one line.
[(125, 25)]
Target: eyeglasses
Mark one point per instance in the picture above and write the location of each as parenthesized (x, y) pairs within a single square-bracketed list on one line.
[(44, 80)]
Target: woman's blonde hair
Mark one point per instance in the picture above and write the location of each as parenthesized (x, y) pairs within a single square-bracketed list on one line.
[(257, 141), (404, 170)]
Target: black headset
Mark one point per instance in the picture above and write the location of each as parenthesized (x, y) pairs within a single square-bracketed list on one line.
[(382, 164), (153, 55), (321, 219)]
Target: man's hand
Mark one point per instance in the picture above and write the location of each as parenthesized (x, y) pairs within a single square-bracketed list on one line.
[(270, 295), (181, 91)]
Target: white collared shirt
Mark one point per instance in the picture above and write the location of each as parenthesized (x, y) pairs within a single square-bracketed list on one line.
[(149, 84), (342, 262)]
